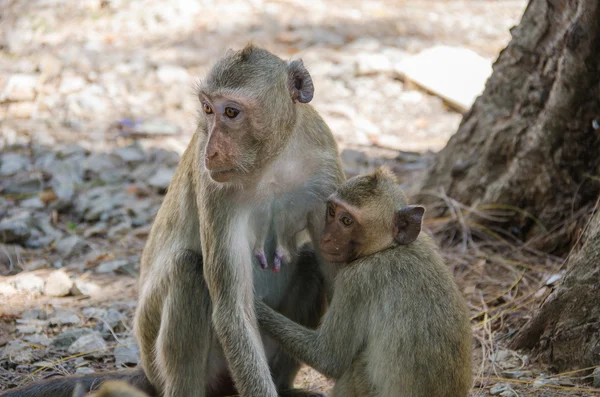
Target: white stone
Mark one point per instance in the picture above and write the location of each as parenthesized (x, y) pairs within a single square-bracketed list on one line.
[(58, 284), (457, 75), (20, 87), (70, 84)]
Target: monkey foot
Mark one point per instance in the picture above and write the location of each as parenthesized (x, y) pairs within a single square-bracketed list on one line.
[(277, 262), (280, 257), (262, 258)]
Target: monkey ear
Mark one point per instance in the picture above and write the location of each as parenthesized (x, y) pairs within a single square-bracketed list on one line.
[(300, 82), (407, 224)]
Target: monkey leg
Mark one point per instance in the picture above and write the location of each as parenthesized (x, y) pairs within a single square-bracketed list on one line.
[(355, 382), (185, 336), (305, 303)]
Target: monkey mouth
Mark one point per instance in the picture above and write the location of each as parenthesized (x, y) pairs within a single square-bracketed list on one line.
[(332, 257), (223, 175)]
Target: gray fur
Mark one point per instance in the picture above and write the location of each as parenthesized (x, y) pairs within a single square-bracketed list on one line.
[(196, 318)]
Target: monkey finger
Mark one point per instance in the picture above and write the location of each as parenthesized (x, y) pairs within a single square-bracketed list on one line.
[(277, 262), (262, 259)]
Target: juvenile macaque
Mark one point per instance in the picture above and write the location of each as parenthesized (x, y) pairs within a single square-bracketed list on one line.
[(288, 216), (257, 140), (397, 325)]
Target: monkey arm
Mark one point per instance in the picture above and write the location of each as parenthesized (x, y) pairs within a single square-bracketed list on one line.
[(229, 281), (328, 351)]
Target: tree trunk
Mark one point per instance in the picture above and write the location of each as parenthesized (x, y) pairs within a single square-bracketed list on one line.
[(565, 331), (531, 141), (531, 145)]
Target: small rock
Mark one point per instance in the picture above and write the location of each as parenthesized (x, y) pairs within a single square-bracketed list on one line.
[(24, 184), (110, 266), (36, 264), (93, 312), (543, 382), (500, 355), (50, 66), (119, 230), (28, 328), (98, 229), (509, 393), (92, 344), (562, 381), (38, 339), (16, 229), (32, 203), (18, 351), (97, 162), (596, 375), (499, 388), (70, 84), (27, 282), (65, 175), (7, 290), (111, 319), (70, 245), (11, 163), (516, 374), (65, 317), (67, 338), (161, 179), (58, 284), (21, 110), (127, 353), (131, 154), (20, 87), (87, 288), (33, 314), (169, 74), (84, 371)]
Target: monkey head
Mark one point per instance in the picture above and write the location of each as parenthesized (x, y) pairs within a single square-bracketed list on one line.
[(367, 214), (248, 103)]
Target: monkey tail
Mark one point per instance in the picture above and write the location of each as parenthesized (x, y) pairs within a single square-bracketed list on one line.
[(65, 386)]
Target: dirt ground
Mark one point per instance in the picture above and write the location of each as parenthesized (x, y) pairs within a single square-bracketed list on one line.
[(97, 103)]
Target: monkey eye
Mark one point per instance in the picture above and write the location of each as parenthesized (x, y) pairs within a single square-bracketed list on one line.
[(231, 112), (347, 221), (206, 107), (331, 210)]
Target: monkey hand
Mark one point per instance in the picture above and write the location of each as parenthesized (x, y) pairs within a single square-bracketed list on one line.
[(282, 255), (259, 254)]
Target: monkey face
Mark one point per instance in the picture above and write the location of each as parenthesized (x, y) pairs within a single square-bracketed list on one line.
[(228, 146), (342, 238), (249, 100)]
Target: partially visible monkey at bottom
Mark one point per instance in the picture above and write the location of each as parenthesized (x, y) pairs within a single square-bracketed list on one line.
[(111, 388), (397, 325)]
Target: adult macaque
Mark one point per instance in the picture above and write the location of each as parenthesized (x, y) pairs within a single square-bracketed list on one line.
[(257, 140), (397, 325)]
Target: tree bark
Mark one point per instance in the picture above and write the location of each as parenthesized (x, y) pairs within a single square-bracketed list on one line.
[(532, 140), (565, 330)]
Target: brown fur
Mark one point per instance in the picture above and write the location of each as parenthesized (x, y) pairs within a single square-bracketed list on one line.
[(195, 320), (398, 325)]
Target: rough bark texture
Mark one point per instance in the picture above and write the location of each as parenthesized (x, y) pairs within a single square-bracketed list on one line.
[(532, 139), (565, 331)]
